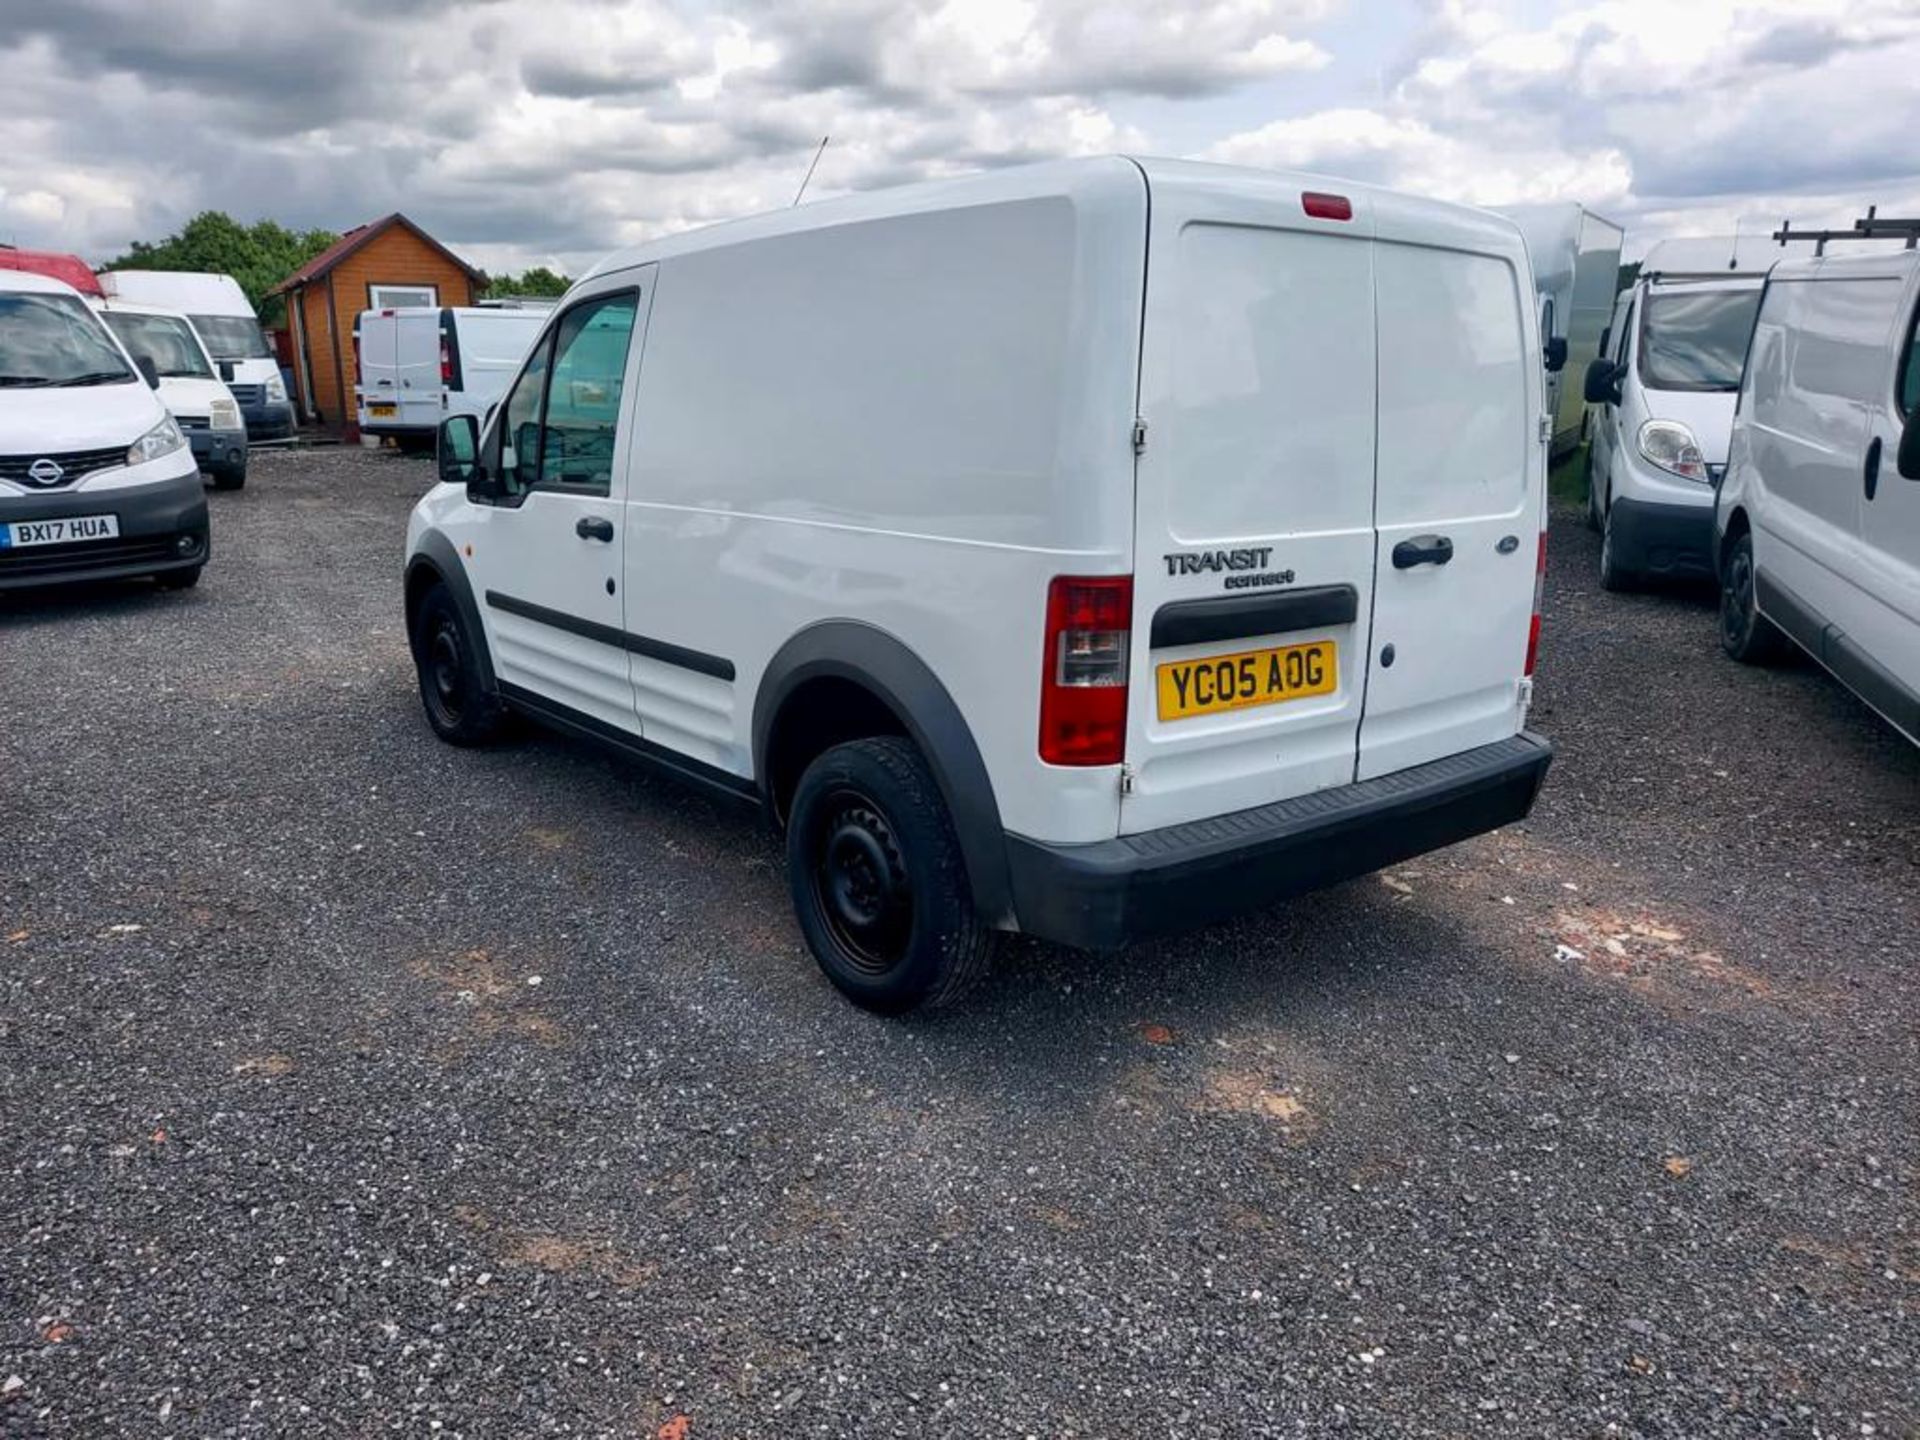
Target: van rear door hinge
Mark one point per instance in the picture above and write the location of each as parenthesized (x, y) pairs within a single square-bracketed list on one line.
[(1546, 428), (1126, 778), (1139, 436)]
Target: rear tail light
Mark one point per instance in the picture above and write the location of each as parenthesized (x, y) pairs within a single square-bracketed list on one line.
[(1539, 594), (446, 363), (1322, 206), (1083, 688)]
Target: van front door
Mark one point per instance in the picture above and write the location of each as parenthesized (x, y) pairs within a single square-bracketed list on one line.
[(546, 559), (1461, 476), (1253, 531)]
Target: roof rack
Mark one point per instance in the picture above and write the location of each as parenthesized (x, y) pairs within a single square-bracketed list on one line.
[(1870, 226)]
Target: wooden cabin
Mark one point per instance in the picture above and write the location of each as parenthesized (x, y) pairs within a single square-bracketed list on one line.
[(386, 262)]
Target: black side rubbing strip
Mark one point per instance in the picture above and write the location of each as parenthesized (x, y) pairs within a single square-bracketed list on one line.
[(697, 661), (1235, 617)]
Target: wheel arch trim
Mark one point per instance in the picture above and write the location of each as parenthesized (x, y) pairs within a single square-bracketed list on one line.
[(889, 670), (436, 555)]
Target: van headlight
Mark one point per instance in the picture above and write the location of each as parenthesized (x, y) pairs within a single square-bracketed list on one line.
[(1671, 446), (276, 389), (158, 443), (223, 414)]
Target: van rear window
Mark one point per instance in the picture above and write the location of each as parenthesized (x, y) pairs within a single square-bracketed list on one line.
[(1696, 341)]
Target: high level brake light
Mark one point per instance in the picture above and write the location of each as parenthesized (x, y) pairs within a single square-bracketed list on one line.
[(1083, 686), (1322, 206), (1539, 594)]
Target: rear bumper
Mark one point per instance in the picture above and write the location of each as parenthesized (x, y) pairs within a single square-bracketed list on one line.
[(1650, 538), (1101, 896), (154, 520), (396, 428)]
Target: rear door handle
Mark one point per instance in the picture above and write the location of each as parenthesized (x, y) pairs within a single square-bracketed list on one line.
[(592, 527), (1872, 474), (1422, 550)]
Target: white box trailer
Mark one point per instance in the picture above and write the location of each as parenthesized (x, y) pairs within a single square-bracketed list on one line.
[(414, 367), (1576, 272)]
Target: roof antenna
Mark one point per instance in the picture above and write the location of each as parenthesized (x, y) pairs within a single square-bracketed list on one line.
[(809, 175)]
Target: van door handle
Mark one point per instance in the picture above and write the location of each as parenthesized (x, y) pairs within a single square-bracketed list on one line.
[(592, 527), (1873, 467), (1422, 550)]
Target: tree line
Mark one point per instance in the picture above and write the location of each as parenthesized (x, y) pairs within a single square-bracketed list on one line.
[(264, 253)]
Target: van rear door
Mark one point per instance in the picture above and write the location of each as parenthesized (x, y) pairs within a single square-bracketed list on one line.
[(376, 386), (1461, 465), (1254, 531), (416, 365)]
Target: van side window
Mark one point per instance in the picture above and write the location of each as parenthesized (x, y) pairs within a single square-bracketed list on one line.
[(516, 445), (1910, 367), (583, 393)]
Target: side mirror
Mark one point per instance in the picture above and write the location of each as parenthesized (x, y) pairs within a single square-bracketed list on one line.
[(1554, 352), (226, 371), (1603, 383), (459, 450), (1909, 457), (149, 371)]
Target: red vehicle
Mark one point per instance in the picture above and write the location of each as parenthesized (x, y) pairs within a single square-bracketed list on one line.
[(69, 268)]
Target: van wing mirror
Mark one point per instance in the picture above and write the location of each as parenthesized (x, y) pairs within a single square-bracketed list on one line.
[(459, 451), (149, 371), (1554, 353), (226, 371), (1603, 382), (1909, 456)]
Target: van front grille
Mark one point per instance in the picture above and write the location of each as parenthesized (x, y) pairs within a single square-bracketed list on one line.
[(248, 394), (72, 465)]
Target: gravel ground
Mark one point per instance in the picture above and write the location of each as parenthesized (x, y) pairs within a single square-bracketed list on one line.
[(353, 1085)]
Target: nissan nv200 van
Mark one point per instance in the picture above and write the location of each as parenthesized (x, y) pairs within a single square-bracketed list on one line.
[(1091, 549), (96, 480), (1665, 384), (1818, 521), (189, 387)]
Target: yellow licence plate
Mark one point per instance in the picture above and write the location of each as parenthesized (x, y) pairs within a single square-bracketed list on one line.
[(382, 412), (1215, 683)]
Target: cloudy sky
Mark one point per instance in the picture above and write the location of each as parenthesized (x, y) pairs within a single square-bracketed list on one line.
[(550, 131)]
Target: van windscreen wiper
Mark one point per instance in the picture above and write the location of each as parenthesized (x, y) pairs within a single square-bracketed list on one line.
[(92, 377), (25, 382)]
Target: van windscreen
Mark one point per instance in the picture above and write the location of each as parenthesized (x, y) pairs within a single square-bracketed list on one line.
[(1696, 341), (54, 340), (232, 337)]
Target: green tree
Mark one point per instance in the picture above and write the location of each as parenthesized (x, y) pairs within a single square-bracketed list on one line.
[(537, 281), (259, 255)]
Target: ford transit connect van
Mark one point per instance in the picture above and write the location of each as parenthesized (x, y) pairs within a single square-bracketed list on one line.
[(96, 479), (1665, 384), (1090, 550), (1818, 522), (190, 388)]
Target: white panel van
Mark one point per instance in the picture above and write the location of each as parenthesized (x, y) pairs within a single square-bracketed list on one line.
[(416, 366), (1576, 271), (228, 326), (190, 387), (96, 479), (1817, 525), (1089, 549)]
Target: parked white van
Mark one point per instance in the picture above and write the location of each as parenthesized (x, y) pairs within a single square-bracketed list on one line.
[(417, 366), (96, 479), (228, 326), (189, 387), (1666, 386), (1818, 521), (1576, 271), (1040, 557)]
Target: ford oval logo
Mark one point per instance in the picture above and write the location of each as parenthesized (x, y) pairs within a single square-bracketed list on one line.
[(45, 472)]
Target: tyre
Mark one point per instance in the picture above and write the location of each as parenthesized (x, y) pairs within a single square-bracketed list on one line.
[(878, 882), (229, 479), (1593, 495), (1614, 575), (1745, 634), (459, 706), (178, 579)]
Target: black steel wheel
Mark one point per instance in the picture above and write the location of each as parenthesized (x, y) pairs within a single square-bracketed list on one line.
[(453, 689), (878, 882), (1745, 634)]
